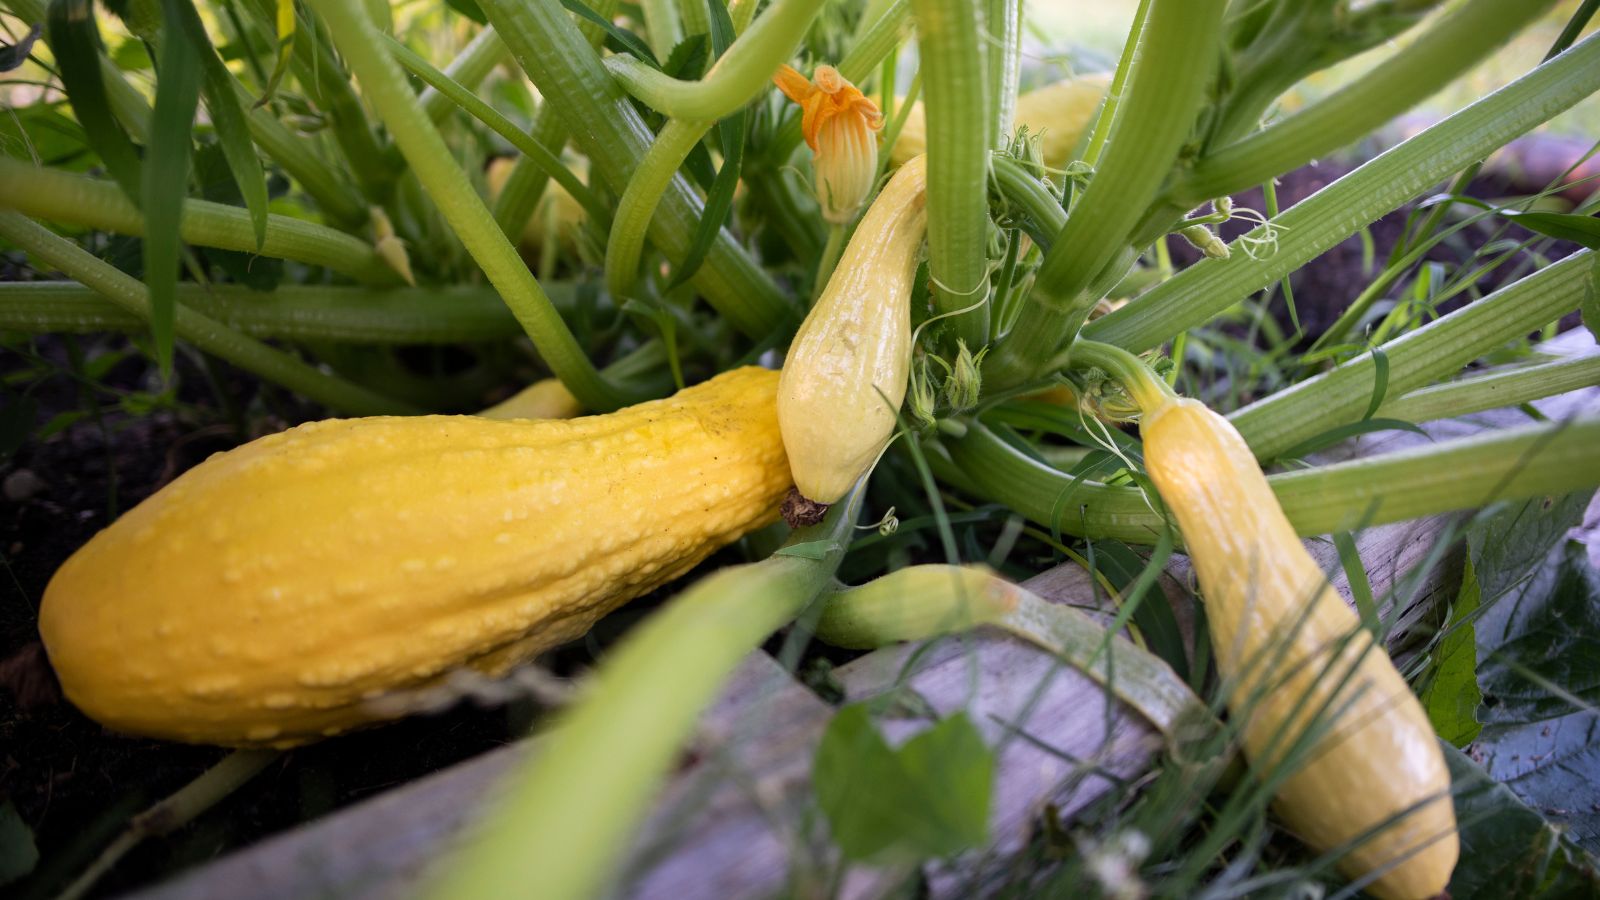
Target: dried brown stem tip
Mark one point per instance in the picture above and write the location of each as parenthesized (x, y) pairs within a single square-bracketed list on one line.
[(799, 512)]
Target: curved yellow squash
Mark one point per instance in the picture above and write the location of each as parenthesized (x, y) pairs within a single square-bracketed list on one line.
[(1281, 631), (267, 595), (845, 375)]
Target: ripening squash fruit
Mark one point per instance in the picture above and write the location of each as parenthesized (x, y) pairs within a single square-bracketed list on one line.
[(1058, 113), (546, 398), (845, 375), (269, 594), (1283, 639)]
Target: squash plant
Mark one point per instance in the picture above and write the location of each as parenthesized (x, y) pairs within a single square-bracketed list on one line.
[(972, 282)]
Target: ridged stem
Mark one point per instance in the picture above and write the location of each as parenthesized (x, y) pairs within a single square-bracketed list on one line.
[(89, 203), (1171, 68), (1437, 350), (1119, 80), (737, 76), (1003, 21), (1529, 461), (1493, 390), (367, 52), (564, 819), (1314, 225), (607, 128), (203, 332), (1432, 60), (1148, 390), (874, 43), (956, 105), (422, 315)]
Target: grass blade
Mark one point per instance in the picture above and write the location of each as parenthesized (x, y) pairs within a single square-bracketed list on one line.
[(228, 117), (75, 40), (166, 176)]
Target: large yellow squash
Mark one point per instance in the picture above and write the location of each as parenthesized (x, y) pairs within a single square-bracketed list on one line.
[(1297, 658), (269, 594)]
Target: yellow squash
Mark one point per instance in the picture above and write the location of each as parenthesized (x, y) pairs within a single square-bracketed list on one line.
[(845, 375), (1283, 639), (269, 594), (1058, 113), (546, 398)]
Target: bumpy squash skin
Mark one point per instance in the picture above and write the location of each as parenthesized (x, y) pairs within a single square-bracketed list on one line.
[(845, 375), (1380, 756), (264, 596)]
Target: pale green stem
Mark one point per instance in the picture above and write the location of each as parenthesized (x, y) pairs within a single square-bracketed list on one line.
[(1166, 85), (955, 90), (1494, 390), (1108, 112), (639, 201), (874, 44), (1509, 464), (1304, 231), (608, 129), (188, 803), (563, 820), (470, 67), (532, 150), (1003, 21), (203, 332), (88, 203), (366, 50), (662, 27), (424, 315), (1437, 350), (1148, 390), (1432, 60), (696, 17), (928, 601), (736, 77)]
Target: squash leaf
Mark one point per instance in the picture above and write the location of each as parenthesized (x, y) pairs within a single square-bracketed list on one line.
[(927, 799)]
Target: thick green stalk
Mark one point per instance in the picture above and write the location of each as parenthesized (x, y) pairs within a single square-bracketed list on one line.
[(959, 125), (1437, 350), (1494, 390), (607, 128), (89, 203), (736, 77), (291, 312), (1434, 59), (203, 332), (1316, 224), (1044, 216), (470, 67), (367, 52), (564, 819), (1530, 461), (1003, 20), (1177, 53)]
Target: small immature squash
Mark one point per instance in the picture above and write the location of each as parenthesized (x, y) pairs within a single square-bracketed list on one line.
[(845, 375), (269, 594)]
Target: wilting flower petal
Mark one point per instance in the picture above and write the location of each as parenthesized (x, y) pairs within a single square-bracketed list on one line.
[(840, 125)]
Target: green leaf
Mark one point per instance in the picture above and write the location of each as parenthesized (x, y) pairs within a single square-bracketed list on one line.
[(166, 177), (1591, 299), (1579, 229), (1452, 697), (618, 40), (75, 40), (470, 9), (228, 116), (719, 199), (687, 61), (18, 853), (808, 549), (930, 798), (1507, 849), (1539, 646), (1550, 765)]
